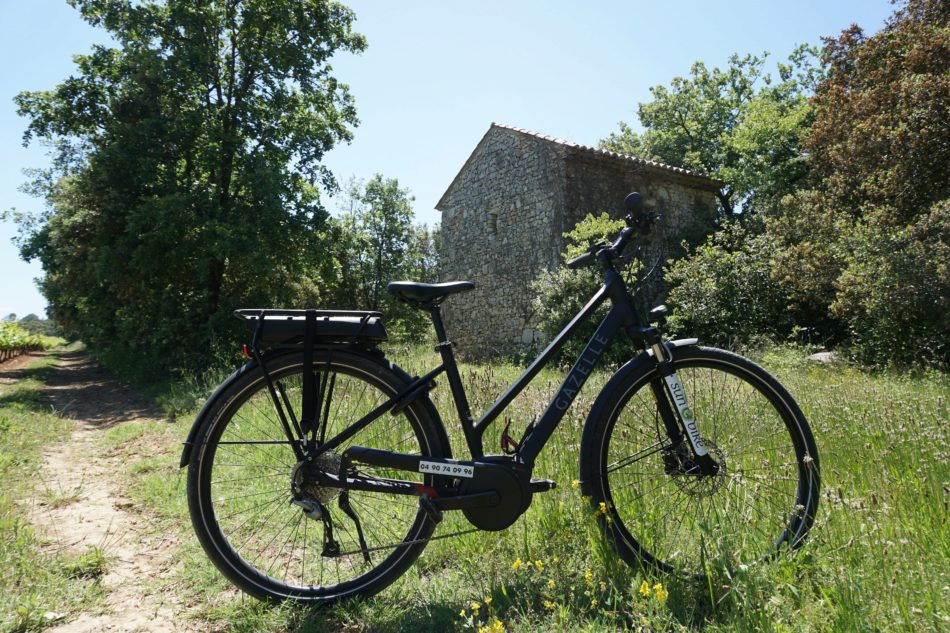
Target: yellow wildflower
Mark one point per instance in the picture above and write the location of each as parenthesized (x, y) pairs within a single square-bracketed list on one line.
[(588, 576), (539, 565), (475, 607), (645, 589), (462, 613), (549, 605), (593, 603), (517, 564), (603, 586), (495, 626), (557, 559), (576, 484), (551, 583), (661, 593), (487, 600)]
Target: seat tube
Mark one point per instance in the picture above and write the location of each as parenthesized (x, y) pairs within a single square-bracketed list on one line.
[(472, 436)]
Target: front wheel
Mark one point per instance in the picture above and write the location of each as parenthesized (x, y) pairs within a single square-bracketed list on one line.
[(279, 535), (656, 505)]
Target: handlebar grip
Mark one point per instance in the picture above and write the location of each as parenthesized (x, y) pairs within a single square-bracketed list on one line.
[(578, 262)]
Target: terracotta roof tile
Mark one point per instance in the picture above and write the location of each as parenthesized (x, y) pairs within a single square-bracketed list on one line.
[(593, 151), (604, 152)]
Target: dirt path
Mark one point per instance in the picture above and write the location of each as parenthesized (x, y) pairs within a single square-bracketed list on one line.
[(85, 480)]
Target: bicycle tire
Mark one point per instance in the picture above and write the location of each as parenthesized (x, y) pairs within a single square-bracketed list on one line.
[(659, 515), (239, 493)]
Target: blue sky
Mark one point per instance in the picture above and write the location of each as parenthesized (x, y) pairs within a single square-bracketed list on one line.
[(437, 74)]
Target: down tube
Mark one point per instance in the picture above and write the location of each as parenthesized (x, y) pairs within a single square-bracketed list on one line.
[(571, 386)]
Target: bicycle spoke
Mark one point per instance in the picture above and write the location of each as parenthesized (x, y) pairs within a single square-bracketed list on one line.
[(682, 519)]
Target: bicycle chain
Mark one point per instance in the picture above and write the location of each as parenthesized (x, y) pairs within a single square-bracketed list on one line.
[(404, 543)]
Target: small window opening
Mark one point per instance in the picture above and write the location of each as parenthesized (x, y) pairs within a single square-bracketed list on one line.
[(493, 222)]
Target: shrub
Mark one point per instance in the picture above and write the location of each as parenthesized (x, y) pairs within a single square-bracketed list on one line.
[(894, 293), (561, 293), (724, 292)]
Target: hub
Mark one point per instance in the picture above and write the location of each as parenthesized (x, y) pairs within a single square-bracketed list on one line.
[(306, 489), (687, 473)]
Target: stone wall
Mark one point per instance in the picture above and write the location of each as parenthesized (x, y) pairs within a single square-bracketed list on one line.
[(497, 232), (504, 216)]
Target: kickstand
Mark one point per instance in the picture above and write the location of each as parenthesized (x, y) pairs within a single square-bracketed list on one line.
[(344, 503), (330, 547)]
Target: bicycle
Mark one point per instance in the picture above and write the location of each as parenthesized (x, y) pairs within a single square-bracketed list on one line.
[(300, 486)]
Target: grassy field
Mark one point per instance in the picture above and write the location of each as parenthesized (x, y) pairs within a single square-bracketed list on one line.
[(38, 586), (877, 560)]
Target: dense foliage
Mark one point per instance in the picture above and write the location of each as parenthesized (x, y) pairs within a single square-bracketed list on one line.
[(375, 242), (739, 125), (724, 293), (187, 161), (870, 241), (851, 245)]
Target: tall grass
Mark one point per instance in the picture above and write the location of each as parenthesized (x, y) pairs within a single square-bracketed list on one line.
[(877, 559)]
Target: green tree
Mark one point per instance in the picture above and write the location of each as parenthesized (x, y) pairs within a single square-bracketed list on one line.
[(376, 243), (858, 253), (186, 169), (880, 143), (868, 242), (739, 125)]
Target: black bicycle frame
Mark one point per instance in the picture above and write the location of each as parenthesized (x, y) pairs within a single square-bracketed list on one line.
[(621, 314)]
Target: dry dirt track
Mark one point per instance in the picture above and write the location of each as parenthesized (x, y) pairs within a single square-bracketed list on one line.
[(94, 511)]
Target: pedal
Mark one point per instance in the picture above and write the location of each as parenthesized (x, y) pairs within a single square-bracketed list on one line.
[(542, 485), (434, 513)]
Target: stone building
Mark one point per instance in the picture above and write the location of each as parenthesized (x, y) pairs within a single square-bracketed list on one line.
[(505, 213)]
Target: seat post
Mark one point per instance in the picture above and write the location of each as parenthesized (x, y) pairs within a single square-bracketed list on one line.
[(444, 346)]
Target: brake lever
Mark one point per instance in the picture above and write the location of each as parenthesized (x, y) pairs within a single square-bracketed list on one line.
[(645, 221)]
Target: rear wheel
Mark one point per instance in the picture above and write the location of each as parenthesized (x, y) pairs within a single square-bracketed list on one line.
[(271, 529), (652, 498)]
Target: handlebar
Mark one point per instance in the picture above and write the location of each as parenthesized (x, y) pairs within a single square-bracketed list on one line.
[(640, 223)]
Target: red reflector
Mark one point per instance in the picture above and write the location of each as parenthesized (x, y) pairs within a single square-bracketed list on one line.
[(244, 351), (426, 491)]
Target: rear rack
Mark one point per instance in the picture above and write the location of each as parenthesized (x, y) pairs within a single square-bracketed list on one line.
[(282, 328), (278, 328)]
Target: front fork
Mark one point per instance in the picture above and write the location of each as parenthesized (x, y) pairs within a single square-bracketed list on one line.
[(682, 419)]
